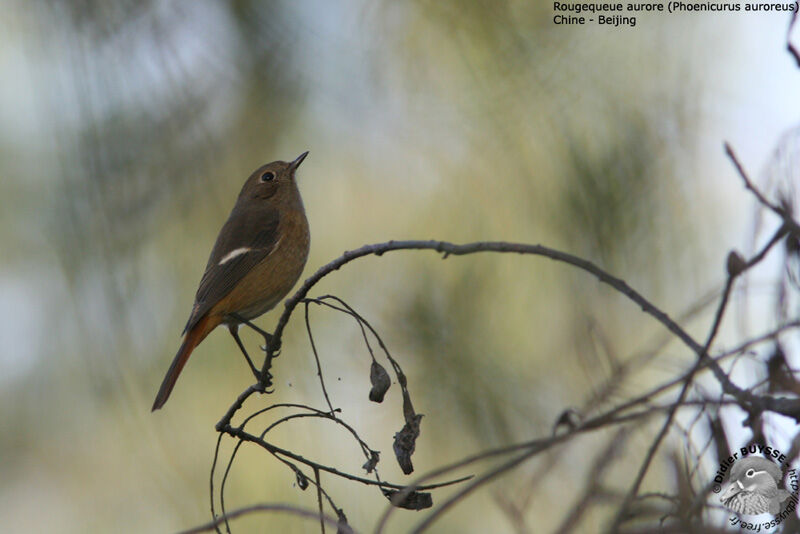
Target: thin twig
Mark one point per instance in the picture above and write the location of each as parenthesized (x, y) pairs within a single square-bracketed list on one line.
[(620, 517), (319, 501), (293, 510), (352, 314), (319, 365), (779, 211), (211, 479), (241, 434)]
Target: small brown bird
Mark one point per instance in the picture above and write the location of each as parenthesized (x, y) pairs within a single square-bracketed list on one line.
[(256, 260), (754, 487)]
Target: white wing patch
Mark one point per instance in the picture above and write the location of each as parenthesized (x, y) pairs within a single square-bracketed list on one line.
[(234, 253), (244, 250)]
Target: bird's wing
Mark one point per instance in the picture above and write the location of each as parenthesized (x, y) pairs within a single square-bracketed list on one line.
[(249, 238)]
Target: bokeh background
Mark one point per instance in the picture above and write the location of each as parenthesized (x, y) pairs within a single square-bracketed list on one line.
[(129, 126)]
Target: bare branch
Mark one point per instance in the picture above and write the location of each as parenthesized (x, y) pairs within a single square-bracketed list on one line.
[(778, 210), (287, 508)]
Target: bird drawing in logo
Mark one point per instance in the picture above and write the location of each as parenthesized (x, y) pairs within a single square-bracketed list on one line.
[(754, 488)]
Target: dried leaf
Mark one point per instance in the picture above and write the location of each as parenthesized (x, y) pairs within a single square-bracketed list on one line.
[(380, 382), (374, 457), (405, 442), (415, 500), (302, 480)]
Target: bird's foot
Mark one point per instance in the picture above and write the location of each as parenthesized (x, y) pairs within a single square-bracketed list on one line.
[(271, 344), (265, 384)]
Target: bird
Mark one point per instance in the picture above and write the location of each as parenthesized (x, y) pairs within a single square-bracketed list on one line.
[(258, 257), (753, 487)]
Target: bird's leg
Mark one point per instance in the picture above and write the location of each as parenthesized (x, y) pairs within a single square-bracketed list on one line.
[(234, 330), (267, 336), (264, 377)]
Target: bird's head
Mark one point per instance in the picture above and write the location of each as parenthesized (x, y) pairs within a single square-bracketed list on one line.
[(753, 483), (274, 181)]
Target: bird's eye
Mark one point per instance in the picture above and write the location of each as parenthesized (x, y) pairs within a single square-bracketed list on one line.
[(750, 473), (267, 176)]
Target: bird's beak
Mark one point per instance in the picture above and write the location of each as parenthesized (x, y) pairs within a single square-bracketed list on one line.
[(296, 163), (733, 489)]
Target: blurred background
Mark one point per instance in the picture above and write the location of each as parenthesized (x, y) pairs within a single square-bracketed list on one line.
[(129, 127)]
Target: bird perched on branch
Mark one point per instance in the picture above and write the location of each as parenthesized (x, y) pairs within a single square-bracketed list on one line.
[(754, 487), (257, 258)]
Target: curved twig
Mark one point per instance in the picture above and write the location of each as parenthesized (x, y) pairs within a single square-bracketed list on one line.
[(294, 510)]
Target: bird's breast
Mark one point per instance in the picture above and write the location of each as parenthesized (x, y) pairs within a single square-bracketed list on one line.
[(269, 281), (749, 502)]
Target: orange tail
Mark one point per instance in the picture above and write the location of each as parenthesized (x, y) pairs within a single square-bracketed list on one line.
[(192, 339)]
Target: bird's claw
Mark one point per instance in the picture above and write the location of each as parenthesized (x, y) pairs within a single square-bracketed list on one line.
[(266, 383), (262, 388), (270, 340), (275, 353)]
